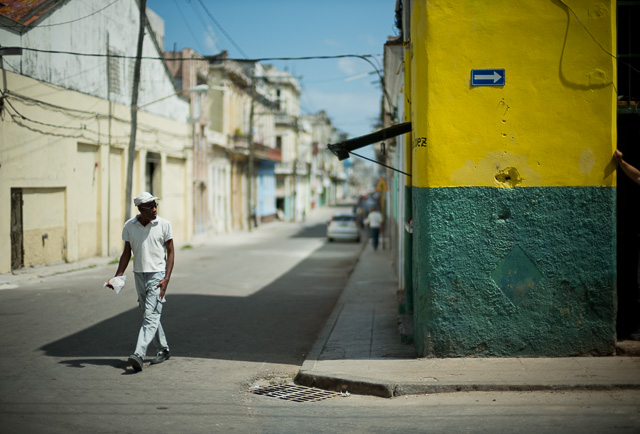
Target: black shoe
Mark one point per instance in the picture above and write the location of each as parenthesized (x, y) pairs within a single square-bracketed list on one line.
[(161, 357), (136, 362)]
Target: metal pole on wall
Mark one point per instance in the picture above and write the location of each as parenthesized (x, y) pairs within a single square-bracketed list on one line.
[(134, 111)]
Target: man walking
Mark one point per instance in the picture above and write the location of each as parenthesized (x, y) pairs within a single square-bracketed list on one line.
[(374, 220), (150, 239)]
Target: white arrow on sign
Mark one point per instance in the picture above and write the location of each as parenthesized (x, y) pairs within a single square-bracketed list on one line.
[(495, 77)]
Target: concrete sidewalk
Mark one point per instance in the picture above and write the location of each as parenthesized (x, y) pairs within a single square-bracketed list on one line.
[(360, 351)]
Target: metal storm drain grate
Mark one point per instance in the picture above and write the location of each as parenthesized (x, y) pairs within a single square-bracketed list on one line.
[(291, 392)]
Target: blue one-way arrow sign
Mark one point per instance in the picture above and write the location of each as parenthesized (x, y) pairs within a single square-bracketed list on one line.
[(487, 77)]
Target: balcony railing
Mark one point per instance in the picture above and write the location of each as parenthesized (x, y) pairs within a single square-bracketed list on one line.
[(286, 119)]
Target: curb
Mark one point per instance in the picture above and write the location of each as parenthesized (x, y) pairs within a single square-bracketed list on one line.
[(388, 379), (358, 386), (364, 386)]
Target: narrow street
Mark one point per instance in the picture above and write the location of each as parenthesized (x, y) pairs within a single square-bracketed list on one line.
[(242, 310)]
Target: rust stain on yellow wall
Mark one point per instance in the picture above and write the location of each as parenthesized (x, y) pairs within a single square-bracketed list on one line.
[(497, 169)]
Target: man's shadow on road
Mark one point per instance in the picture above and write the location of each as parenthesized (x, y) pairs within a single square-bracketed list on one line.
[(277, 324), (81, 363)]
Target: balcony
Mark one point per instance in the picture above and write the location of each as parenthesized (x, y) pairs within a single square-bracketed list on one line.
[(266, 153), (287, 168), (287, 120)]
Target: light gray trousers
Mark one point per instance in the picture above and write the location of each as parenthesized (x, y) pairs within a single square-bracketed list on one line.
[(151, 329)]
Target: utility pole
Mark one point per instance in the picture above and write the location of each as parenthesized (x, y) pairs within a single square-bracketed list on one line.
[(295, 170), (250, 165), (109, 125), (134, 110), (7, 52)]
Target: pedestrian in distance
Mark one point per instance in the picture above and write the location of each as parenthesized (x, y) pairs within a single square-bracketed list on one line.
[(150, 239), (374, 220)]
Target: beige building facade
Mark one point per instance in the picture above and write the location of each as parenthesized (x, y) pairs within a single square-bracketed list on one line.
[(63, 174), (65, 131)]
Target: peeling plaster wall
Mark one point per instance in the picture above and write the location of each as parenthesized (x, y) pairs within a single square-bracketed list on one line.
[(513, 198), (115, 26)]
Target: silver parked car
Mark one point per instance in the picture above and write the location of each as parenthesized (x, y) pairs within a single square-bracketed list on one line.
[(343, 226)]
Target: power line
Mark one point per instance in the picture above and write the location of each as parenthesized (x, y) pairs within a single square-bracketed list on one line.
[(210, 58), (195, 39), (16, 26), (32, 101), (17, 117), (204, 58), (208, 29), (594, 38), (222, 29), (216, 58)]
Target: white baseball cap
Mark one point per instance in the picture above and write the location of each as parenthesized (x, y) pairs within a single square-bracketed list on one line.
[(143, 198)]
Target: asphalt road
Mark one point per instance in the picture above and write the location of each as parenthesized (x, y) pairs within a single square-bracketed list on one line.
[(241, 310)]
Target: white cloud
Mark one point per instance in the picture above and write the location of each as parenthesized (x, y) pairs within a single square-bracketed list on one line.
[(210, 41), (332, 43), (347, 66), (370, 40)]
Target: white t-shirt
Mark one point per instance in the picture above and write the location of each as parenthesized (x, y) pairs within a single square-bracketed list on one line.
[(374, 219), (148, 243)]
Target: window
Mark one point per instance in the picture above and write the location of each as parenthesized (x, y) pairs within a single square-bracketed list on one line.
[(152, 178), (628, 55)]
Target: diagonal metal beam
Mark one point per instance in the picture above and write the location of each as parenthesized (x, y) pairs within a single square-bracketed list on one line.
[(342, 149)]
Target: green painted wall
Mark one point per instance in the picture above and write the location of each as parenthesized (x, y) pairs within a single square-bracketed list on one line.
[(514, 272)]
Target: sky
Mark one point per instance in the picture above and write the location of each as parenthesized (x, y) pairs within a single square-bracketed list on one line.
[(348, 89)]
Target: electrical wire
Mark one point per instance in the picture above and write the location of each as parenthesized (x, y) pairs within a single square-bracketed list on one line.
[(204, 58), (594, 38), (224, 32), (377, 162), (587, 29), (35, 102), (20, 26), (364, 57), (187, 25), (18, 118), (208, 29)]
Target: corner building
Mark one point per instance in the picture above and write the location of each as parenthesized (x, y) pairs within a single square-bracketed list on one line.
[(513, 189)]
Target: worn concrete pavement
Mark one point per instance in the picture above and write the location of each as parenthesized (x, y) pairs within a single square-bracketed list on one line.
[(360, 351)]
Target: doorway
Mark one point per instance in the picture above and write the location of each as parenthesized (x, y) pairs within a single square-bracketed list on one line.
[(17, 239), (628, 192)]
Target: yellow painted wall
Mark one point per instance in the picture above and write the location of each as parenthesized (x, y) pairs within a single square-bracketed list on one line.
[(73, 178), (174, 192), (408, 116), (88, 178), (553, 122), (44, 225)]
